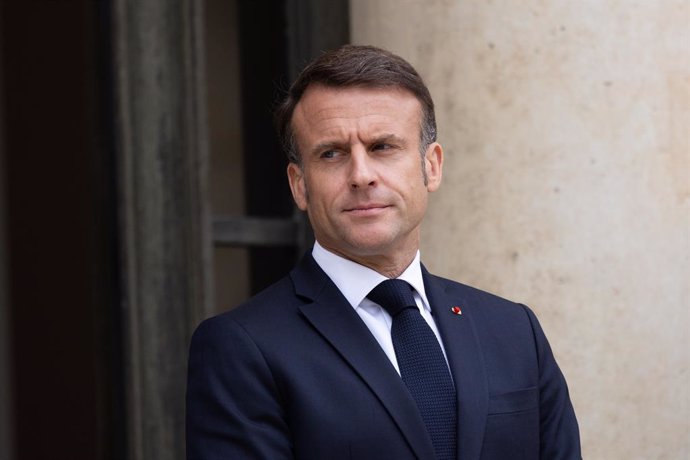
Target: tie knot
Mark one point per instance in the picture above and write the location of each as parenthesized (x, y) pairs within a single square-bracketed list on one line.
[(394, 295)]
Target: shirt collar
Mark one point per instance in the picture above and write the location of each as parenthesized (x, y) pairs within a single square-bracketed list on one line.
[(355, 281)]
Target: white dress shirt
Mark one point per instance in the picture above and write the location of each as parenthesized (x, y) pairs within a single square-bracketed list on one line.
[(355, 281)]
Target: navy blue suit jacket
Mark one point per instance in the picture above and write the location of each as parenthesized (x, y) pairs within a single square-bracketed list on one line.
[(294, 373)]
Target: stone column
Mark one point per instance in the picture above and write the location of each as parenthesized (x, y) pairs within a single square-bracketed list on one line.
[(165, 235), (567, 187)]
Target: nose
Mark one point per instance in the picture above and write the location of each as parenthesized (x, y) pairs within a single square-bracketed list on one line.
[(362, 171)]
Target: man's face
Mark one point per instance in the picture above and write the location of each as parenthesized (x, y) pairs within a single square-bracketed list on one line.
[(361, 179)]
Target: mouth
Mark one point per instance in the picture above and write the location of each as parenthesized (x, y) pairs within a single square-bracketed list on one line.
[(364, 210)]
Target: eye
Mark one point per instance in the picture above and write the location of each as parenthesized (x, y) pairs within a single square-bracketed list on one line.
[(329, 154), (382, 146)]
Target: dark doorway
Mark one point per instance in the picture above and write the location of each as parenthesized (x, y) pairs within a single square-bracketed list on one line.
[(60, 231), (65, 315)]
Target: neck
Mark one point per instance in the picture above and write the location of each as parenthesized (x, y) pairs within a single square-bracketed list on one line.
[(388, 265)]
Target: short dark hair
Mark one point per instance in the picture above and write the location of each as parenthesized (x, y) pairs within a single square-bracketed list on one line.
[(352, 66)]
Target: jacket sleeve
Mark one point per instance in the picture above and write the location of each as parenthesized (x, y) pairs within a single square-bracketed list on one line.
[(559, 432), (233, 404)]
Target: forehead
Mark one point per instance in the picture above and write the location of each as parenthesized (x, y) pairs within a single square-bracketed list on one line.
[(336, 112)]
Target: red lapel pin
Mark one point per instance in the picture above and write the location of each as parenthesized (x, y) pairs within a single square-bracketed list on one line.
[(456, 310)]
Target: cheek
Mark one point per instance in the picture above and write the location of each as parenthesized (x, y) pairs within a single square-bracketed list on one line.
[(321, 190), (415, 196)]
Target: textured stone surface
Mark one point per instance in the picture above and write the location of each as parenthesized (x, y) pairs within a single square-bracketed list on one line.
[(164, 236), (567, 187)]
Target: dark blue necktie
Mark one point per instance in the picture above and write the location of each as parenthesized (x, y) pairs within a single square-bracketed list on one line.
[(422, 365)]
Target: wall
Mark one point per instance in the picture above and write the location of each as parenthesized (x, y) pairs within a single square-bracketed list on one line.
[(566, 186)]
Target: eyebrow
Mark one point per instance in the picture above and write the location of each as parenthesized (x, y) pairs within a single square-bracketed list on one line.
[(325, 146), (388, 138), (381, 138)]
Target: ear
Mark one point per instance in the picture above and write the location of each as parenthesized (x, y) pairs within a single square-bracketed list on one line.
[(433, 162), (297, 186)]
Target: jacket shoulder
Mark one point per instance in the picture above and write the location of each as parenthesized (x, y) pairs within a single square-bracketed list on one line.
[(487, 309), (276, 301), (473, 294)]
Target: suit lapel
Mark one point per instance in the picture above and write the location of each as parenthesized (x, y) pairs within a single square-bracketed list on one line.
[(466, 362), (334, 318)]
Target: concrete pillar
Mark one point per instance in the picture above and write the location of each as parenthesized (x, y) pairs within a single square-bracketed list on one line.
[(165, 232), (567, 187)]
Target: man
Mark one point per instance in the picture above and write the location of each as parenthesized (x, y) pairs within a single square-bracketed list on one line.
[(360, 353)]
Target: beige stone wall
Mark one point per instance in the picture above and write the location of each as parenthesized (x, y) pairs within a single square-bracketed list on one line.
[(567, 187)]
